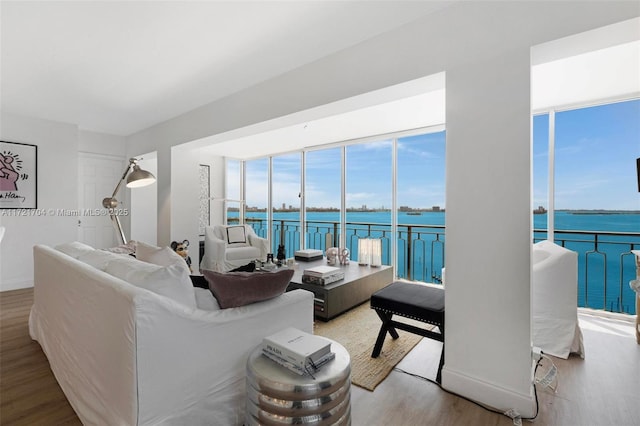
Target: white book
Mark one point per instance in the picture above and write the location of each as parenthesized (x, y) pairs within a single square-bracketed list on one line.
[(323, 281), (306, 371), (296, 346), (321, 271)]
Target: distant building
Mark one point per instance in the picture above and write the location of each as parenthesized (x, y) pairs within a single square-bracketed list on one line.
[(436, 208), (540, 210)]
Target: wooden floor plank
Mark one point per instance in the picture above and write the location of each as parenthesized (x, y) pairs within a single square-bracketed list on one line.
[(602, 389)]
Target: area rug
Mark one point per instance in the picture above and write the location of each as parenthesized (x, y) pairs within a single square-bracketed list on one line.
[(357, 331)]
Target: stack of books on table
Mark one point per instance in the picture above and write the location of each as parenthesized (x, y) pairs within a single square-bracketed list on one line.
[(322, 275), (300, 352)]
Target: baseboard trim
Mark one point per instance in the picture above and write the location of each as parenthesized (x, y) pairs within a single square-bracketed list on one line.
[(487, 393), (16, 285)]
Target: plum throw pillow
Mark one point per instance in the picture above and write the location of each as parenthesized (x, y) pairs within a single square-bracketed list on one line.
[(235, 289)]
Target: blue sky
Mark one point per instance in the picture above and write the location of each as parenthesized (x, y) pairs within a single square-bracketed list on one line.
[(595, 156), (420, 178)]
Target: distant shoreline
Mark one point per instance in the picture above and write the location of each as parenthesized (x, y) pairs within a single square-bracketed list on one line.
[(359, 210)]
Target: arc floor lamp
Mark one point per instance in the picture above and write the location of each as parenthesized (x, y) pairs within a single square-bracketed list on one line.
[(136, 178)]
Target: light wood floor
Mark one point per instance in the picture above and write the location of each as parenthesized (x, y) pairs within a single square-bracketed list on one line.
[(601, 390)]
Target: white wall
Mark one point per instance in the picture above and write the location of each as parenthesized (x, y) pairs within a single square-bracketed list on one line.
[(102, 143), (143, 214), (185, 201), (489, 232), (58, 147), (57, 189)]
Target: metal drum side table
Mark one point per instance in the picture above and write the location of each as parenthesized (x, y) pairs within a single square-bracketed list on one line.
[(277, 396)]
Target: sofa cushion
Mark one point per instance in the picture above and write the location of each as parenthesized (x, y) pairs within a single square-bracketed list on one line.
[(171, 281), (162, 256), (74, 249), (242, 253), (235, 289)]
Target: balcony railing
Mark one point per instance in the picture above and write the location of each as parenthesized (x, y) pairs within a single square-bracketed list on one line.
[(605, 262)]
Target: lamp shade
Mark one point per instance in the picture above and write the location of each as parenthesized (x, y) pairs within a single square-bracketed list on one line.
[(138, 177)]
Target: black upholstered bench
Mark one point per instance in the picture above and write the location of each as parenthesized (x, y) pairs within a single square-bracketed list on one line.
[(419, 302)]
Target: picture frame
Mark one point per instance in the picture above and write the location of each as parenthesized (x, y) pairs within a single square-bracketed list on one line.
[(18, 175), (205, 195)]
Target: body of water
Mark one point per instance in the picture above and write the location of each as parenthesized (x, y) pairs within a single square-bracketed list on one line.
[(609, 257)]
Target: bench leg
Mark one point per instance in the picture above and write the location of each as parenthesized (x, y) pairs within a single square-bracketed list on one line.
[(440, 365), (386, 326)]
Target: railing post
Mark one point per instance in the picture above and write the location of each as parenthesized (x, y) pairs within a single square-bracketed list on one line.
[(409, 243)]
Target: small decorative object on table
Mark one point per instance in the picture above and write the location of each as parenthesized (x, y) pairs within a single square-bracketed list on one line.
[(281, 256), (332, 255), (344, 256), (308, 255)]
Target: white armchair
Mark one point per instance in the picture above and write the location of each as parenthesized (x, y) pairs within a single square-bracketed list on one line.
[(229, 247), (555, 300)]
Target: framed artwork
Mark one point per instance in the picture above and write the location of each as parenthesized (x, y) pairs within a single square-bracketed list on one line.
[(18, 175), (205, 193)]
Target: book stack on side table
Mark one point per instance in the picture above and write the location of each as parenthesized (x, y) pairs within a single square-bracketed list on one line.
[(322, 275), (300, 352)]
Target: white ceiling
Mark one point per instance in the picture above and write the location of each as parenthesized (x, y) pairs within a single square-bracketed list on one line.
[(121, 67)]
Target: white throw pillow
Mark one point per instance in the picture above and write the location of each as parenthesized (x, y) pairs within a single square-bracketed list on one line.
[(98, 258), (130, 269), (170, 281), (236, 235), (205, 299), (162, 256), (74, 249)]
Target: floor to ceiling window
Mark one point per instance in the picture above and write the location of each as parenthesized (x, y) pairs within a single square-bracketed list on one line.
[(233, 193), (256, 192), (593, 200), (369, 195), (322, 198), (421, 206), (350, 192)]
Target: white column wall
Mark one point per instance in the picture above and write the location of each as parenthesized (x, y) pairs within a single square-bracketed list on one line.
[(185, 201), (488, 223)]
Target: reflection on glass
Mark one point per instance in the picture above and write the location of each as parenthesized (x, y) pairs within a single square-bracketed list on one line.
[(540, 173), (285, 179), (257, 195), (369, 193), (421, 204)]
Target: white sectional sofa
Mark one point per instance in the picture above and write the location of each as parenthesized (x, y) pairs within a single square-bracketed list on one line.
[(126, 355)]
